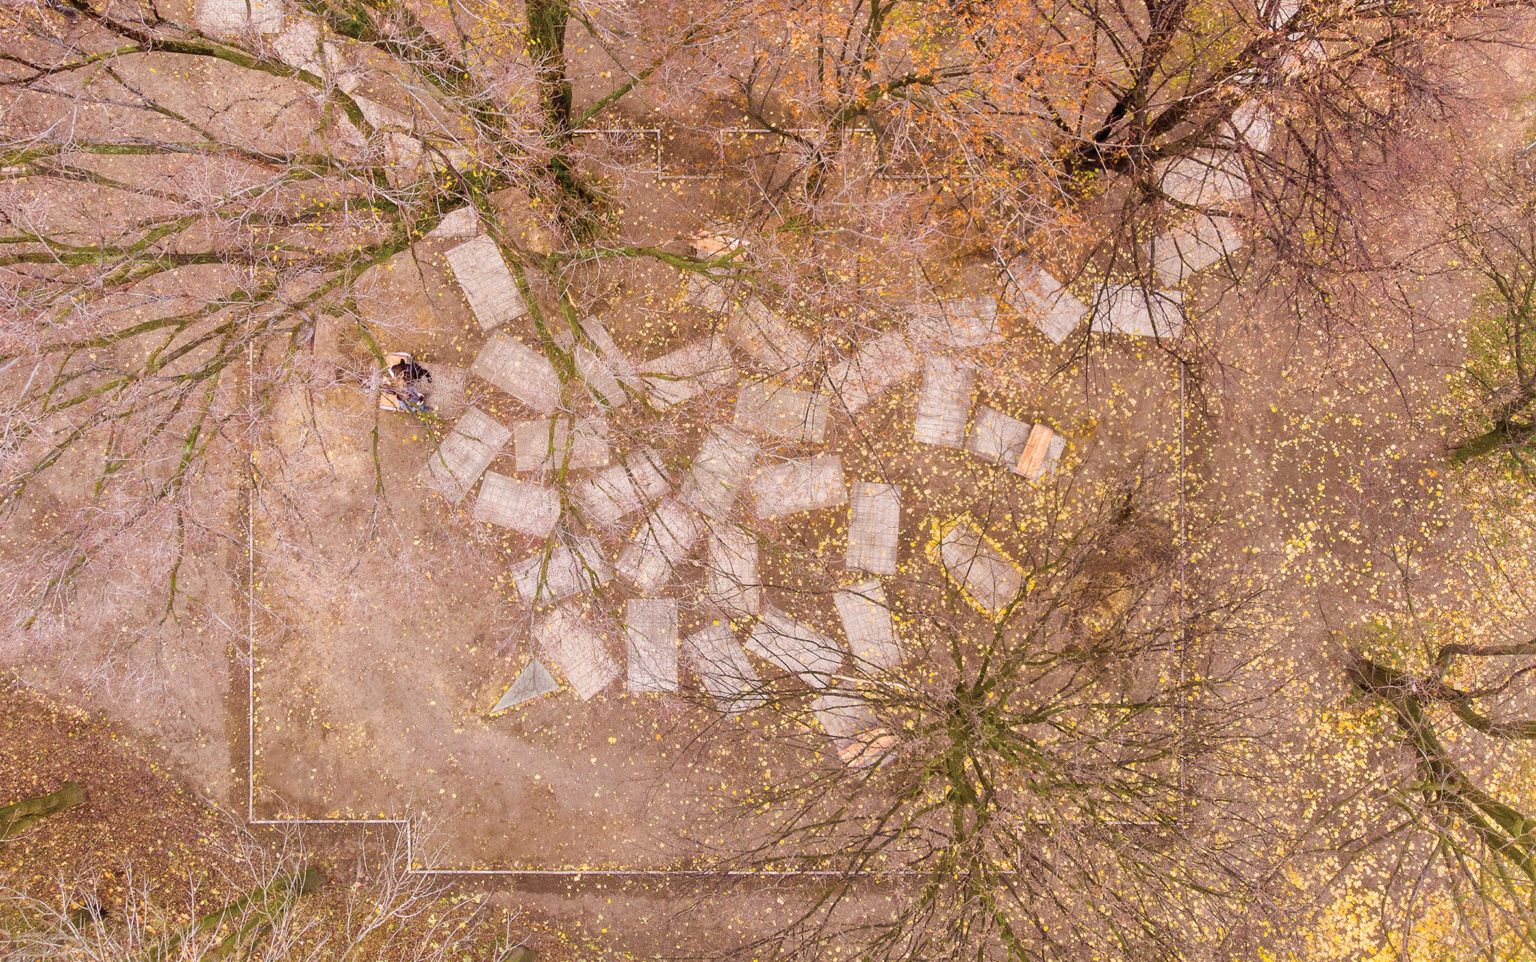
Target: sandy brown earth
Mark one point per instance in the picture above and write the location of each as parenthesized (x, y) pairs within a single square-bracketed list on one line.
[(376, 661), (377, 667), (137, 815)]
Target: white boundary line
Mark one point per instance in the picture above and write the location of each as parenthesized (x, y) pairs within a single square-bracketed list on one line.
[(405, 825)]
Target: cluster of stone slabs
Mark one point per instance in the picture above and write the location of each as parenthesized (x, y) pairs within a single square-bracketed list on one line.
[(696, 514)]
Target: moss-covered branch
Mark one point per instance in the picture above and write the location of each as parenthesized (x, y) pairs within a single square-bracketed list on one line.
[(19, 816)]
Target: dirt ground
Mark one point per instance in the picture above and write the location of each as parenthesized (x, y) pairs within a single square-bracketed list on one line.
[(376, 667), (385, 627)]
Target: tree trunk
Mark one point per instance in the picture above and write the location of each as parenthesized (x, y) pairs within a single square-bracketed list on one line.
[(16, 817), (248, 913), (1505, 830), (1491, 440), (547, 20)]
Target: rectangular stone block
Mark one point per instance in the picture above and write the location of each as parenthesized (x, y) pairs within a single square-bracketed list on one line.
[(707, 294), (796, 648), (767, 339), (650, 627), (475, 441), (867, 624), (988, 578), (717, 475), (732, 582), (1204, 178), (683, 374), (717, 657), (531, 509), (571, 568), (943, 402), (487, 284), (1193, 246), (535, 681), (622, 489), (874, 523), (770, 409), (519, 370), (1041, 298), (997, 438), (660, 547), (795, 486), (233, 18), (1131, 309), (546, 445), (574, 646), (957, 323), (878, 365)]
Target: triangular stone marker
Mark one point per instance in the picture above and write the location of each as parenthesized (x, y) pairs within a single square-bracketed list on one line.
[(533, 682)]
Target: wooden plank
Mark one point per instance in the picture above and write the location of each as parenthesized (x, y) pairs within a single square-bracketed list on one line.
[(869, 747), (1041, 455), (850, 724), (487, 284), (650, 628), (1032, 458)]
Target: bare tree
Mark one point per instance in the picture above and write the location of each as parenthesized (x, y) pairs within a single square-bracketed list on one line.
[(1493, 225), (1043, 778), (184, 212), (1095, 136), (1460, 719), (272, 903), (17, 817)]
